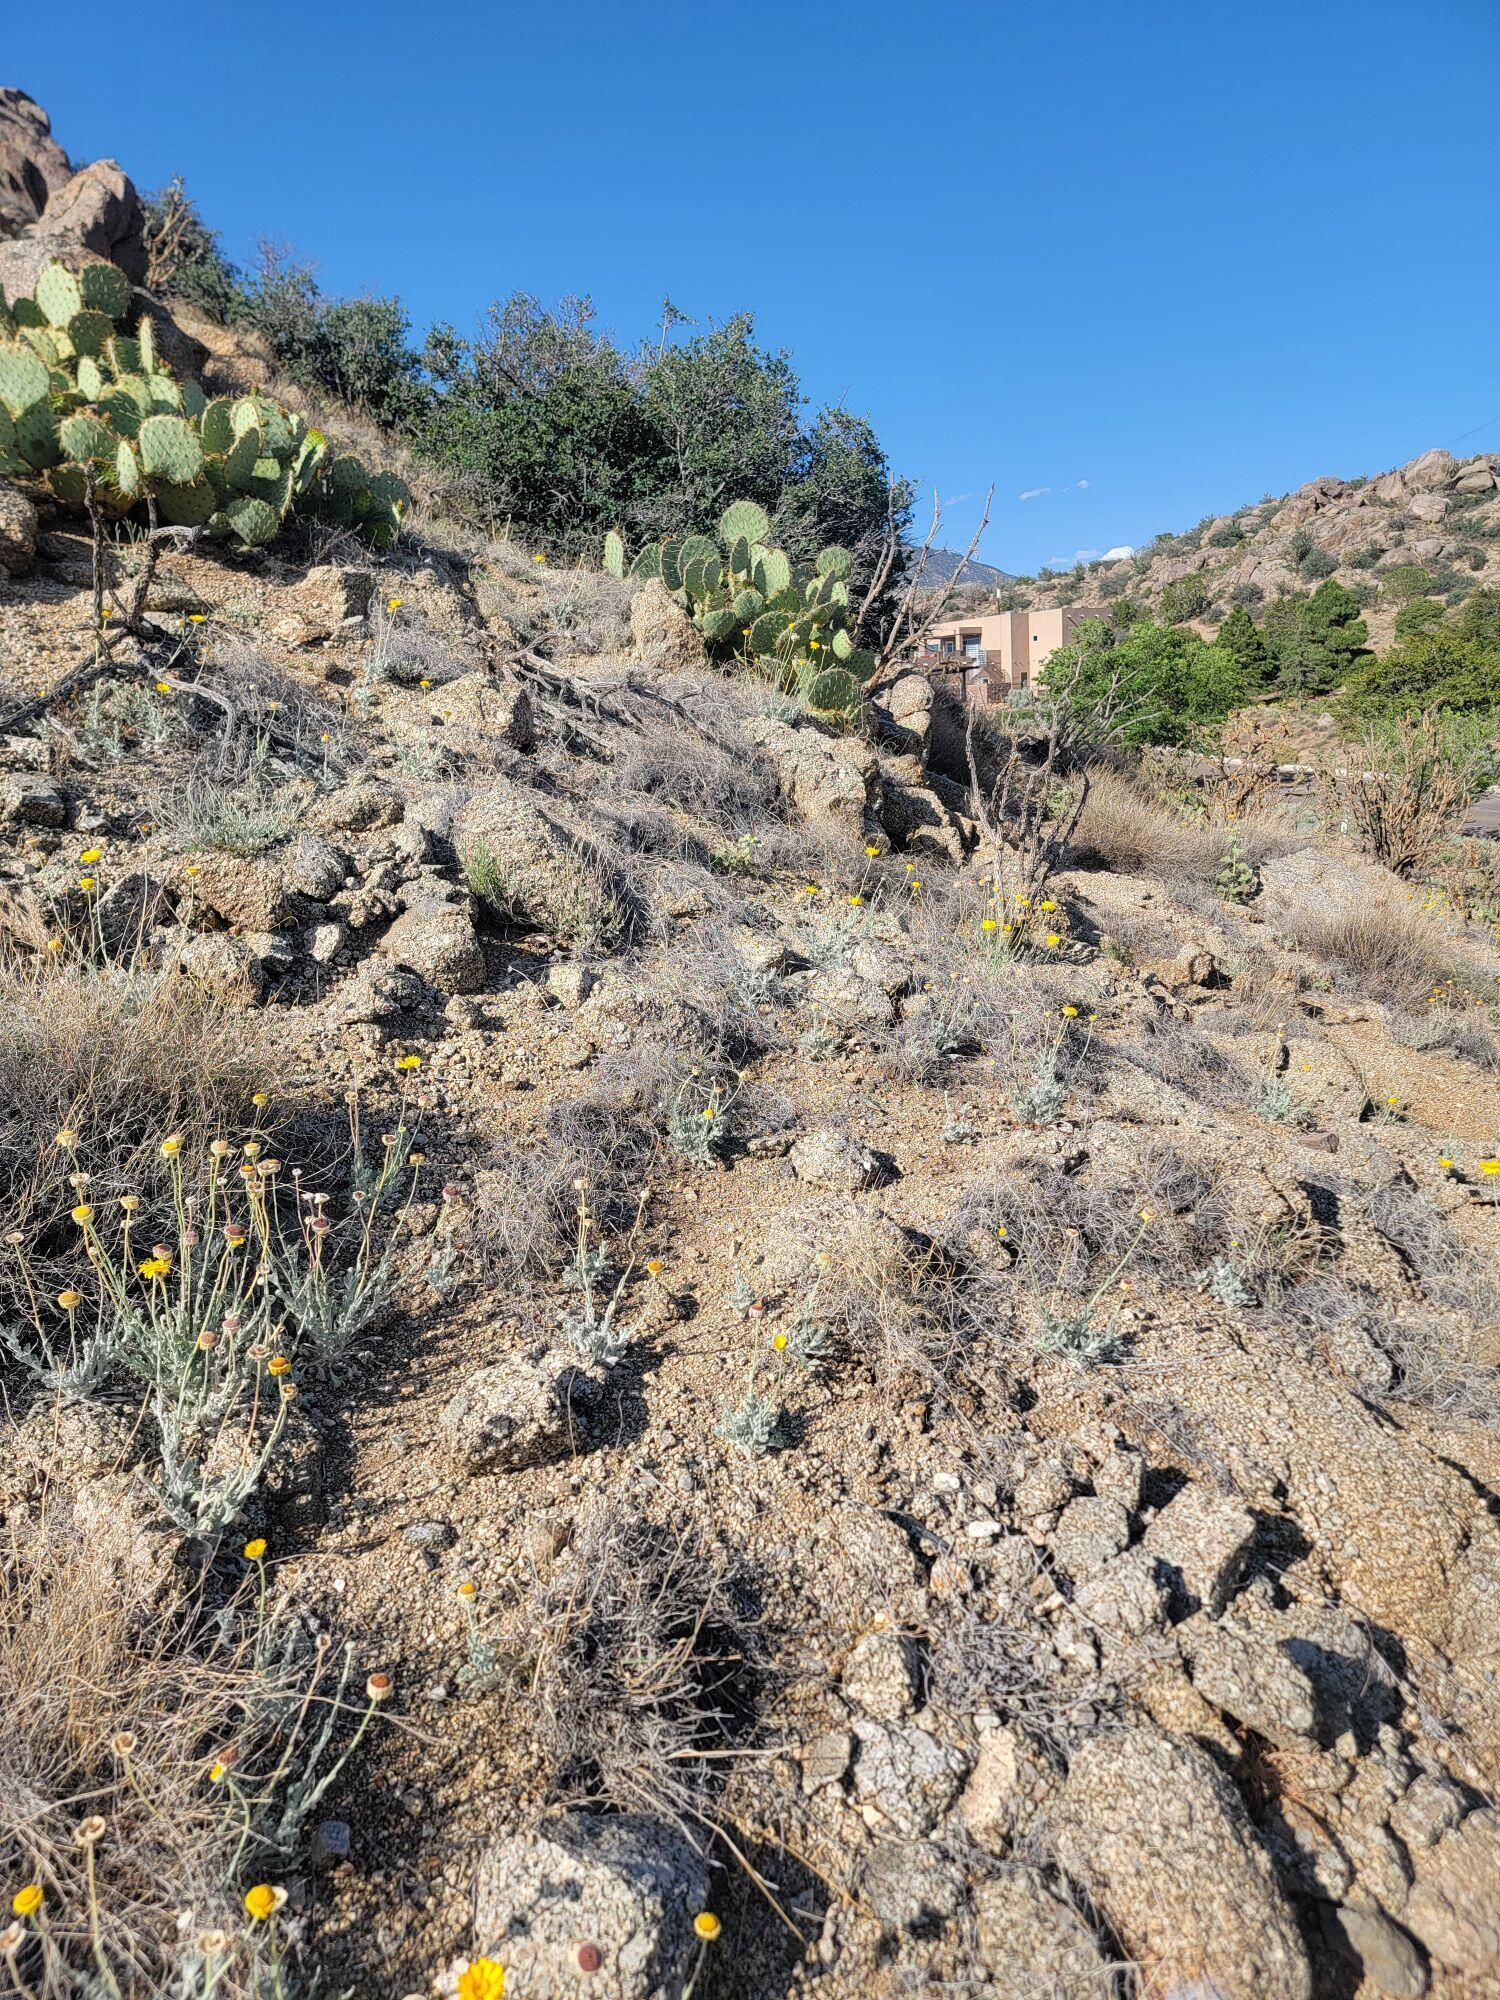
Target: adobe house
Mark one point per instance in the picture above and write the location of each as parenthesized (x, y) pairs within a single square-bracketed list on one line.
[(1002, 652)]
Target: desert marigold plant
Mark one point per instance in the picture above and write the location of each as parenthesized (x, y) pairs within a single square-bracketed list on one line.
[(254, 1271)]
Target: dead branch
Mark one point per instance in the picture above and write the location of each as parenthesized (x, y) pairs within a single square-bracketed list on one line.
[(911, 625)]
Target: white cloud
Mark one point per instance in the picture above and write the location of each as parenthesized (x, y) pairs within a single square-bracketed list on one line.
[(1083, 483), (1033, 492), (1078, 556), (1115, 555)]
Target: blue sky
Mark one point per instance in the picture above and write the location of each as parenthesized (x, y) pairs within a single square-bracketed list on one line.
[(1140, 263)]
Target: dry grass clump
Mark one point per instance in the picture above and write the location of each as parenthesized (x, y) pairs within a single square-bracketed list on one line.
[(718, 781), (120, 1055), (525, 1204), (633, 1666), (1121, 828), (897, 1301), (1384, 948), (1177, 1053), (133, 1776)]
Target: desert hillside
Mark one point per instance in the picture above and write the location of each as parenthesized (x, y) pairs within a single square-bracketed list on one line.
[(674, 1326), (1426, 529)]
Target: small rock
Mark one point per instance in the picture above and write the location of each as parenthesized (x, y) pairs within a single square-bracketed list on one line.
[(515, 1413), (570, 984), (33, 801), (314, 867), (904, 1777), (429, 1534), (1455, 1906), (827, 1157), (825, 1761), (627, 1885), (883, 1676), (1387, 1957), (1201, 1541), (1089, 1535), (17, 531), (1012, 1779)]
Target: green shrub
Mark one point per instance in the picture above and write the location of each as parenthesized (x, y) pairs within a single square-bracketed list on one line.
[(1405, 581), (1429, 669), (90, 413), (1163, 684), (1185, 599), (1420, 614)]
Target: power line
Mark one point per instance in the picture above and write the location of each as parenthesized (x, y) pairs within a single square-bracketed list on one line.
[(1475, 432)]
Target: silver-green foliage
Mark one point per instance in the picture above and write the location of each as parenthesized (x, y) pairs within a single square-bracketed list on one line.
[(751, 601), (86, 407)]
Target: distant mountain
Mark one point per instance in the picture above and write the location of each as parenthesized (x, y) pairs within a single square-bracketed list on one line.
[(945, 566)]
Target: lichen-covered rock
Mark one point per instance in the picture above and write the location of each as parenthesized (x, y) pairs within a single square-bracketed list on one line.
[(472, 712), (905, 1779), (518, 1412), (329, 599), (627, 1886), (1034, 1943), (535, 864), (1159, 1839), (17, 531), (663, 635), (225, 968), (829, 1158), (246, 892), (313, 867), (437, 941), (826, 778)]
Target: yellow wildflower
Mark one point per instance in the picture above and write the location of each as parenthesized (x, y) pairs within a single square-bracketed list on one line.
[(83, 1213), (394, 604), (1052, 940), (707, 1925), (263, 1901), (986, 923), (408, 1062), (171, 1146), (485, 1977), (778, 1341), (155, 1267), (90, 855), (87, 882), (256, 1549), (163, 687), (70, 1300), (27, 1900), (1490, 1167), (1070, 1012)]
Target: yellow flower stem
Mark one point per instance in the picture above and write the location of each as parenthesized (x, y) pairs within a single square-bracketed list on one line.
[(95, 1936)]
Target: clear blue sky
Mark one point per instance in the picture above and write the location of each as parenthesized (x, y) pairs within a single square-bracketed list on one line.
[(1186, 251)]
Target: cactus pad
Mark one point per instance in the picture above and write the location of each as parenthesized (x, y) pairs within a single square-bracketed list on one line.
[(170, 450), (744, 521)]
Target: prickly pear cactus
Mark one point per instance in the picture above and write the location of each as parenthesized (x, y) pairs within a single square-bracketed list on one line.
[(87, 408), (752, 602)]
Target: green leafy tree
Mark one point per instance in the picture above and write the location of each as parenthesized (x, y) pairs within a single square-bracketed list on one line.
[(728, 416), (1165, 684), (1479, 619), (1314, 641), (1442, 668)]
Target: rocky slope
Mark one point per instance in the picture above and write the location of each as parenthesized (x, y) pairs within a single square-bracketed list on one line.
[(1025, 1522), (1163, 1658)]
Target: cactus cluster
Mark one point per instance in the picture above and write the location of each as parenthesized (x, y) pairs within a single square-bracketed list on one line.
[(751, 600), (84, 404)]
